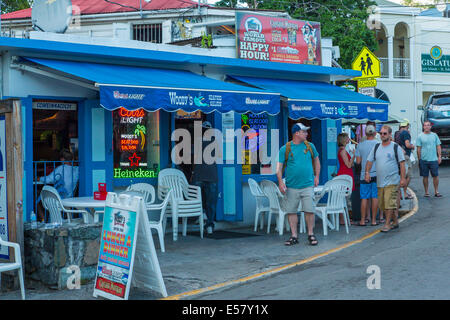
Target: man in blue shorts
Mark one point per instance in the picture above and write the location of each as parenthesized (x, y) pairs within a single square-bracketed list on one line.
[(429, 155), (368, 190)]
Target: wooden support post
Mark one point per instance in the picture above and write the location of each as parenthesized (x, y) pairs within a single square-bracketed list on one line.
[(12, 110), (18, 171)]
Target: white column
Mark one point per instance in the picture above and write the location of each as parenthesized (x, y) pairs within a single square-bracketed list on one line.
[(391, 56)]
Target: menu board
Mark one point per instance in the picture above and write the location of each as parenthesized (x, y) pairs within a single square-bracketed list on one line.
[(127, 253), (267, 38), (131, 144), (116, 247), (4, 252)]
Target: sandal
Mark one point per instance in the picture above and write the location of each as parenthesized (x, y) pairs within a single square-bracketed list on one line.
[(409, 197), (291, 241), (438, 195), (394, 226), (427, 195), (385, 229), (382, 220), (312, 240), (374, 224)]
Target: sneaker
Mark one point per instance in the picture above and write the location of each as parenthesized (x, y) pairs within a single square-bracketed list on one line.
[(209, 230)]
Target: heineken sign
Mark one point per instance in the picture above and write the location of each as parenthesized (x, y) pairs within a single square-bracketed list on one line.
[(435, 61)]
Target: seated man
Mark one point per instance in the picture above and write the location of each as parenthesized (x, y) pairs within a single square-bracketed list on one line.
[(64, 177)]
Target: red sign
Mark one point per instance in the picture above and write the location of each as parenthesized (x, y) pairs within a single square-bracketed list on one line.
[(110, 287), (267, 38)]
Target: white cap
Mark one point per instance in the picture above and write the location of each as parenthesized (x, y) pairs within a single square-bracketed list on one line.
[(299, 126)]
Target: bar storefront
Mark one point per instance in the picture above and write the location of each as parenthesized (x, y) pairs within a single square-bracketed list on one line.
[(116, 109)]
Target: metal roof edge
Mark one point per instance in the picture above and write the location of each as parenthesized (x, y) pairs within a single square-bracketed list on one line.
[(24, 46)]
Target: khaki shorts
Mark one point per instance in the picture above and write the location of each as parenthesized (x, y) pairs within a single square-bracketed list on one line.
[(294, 196), (387, 197), (408, 164)]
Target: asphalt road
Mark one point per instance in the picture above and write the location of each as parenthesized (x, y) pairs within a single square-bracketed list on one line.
[(412, 262)]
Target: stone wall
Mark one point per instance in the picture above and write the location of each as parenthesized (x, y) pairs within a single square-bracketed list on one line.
[(50, 252)]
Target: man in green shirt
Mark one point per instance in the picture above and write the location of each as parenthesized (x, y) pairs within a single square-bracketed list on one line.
[(302, 171)]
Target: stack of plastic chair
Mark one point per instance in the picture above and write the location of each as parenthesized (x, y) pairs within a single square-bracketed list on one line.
[(187, 199)]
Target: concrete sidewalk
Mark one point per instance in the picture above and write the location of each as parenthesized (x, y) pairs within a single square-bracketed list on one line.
[(192, 263)]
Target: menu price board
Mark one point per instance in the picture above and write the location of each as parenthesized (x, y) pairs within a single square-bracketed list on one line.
[(127, 252), (267, 38)]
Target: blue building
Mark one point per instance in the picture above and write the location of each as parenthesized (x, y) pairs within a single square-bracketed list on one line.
[(117, 108)]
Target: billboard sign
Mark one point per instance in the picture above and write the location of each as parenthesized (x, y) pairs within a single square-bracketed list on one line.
[(268, 38)]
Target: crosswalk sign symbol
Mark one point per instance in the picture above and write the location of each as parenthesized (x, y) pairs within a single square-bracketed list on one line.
[(367, 63)]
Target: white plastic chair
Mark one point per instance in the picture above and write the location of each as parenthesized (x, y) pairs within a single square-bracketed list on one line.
[(336, 191), (159, 225), (274, 195), (260, 197), (52, 202), (187, 199), (349, 180), (146, 189), (17, 264)]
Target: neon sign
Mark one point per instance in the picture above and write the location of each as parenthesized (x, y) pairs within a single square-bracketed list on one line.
[(139, 173)]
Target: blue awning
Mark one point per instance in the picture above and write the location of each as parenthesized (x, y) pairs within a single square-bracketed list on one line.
[(134, 87), (321, 100)]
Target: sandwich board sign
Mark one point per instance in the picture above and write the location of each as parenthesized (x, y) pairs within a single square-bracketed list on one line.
[(127, 252)]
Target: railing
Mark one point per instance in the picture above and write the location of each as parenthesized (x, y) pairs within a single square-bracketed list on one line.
[(402, 68), (44, 174), (384, 67)]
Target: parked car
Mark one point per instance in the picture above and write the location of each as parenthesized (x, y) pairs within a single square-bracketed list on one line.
[(437, 111)]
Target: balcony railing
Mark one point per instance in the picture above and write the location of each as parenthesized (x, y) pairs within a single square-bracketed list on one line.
[(402, 68), (384, 67)]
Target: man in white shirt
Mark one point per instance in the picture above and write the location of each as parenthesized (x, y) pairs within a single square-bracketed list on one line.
[(390, 167), (64, 177)]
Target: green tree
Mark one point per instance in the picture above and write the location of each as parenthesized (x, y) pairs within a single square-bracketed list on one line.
[(15, 5), (342, 20)]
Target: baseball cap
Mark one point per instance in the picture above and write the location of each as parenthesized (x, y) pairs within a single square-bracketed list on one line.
[(370, 129), (299, 126), (206, 125), (404, 123)]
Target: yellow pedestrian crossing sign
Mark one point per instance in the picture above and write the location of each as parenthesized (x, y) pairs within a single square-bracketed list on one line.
[(367, 63)]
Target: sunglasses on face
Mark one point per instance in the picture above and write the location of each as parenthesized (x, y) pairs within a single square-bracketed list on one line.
[(384, 133)]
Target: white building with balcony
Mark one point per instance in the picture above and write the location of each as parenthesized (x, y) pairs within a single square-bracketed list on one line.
[(406, 37)]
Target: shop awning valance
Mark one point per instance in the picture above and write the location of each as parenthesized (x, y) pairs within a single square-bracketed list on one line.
[(321, 100), (134, 87)]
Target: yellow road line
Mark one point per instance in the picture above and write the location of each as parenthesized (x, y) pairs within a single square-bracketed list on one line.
[(290, 265)]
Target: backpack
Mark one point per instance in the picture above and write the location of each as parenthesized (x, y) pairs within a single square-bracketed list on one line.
[(397, 137), (288, 152), (396, 146)]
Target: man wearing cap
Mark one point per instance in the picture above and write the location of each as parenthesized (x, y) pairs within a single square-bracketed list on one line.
[(302, 169), (404, 141)]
